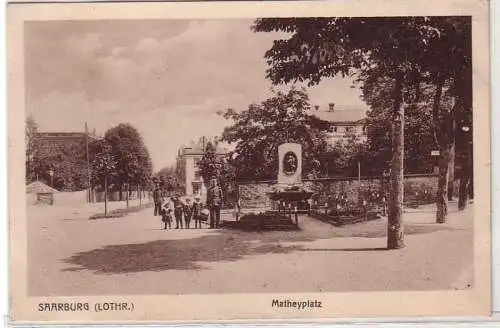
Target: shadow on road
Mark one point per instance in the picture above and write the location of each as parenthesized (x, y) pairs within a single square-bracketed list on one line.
[(170, 254), (221, 245)]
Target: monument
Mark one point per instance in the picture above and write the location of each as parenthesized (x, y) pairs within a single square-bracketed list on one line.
[(289, 190), (290, 164)]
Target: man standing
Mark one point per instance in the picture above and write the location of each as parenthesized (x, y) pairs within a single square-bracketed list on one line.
[(157, 199), (214, 202)]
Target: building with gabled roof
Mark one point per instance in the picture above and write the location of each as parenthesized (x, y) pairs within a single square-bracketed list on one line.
[(346, 121)]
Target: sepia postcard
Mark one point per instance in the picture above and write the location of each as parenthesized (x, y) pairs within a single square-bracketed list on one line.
[(248, 161)]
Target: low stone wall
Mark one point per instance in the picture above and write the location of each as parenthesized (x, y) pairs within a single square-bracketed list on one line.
[(253, 195)]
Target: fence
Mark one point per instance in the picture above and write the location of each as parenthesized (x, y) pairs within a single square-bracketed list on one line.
[(419, 188)]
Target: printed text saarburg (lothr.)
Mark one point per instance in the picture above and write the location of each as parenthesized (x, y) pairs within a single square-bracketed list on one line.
[(84, 307)]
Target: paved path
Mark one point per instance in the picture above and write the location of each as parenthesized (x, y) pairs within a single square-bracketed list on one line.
[(71, 255)]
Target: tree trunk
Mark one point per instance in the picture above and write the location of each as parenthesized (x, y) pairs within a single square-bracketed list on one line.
[(463, 192), (128, 192), (105, 196), (121, 192), (451, 172), (395, 234), (139, 192), (471, 187), (442, 192), (443, 132)]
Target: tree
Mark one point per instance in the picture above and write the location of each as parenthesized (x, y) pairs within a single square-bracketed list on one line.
[(104, 169), (32, 147), (418, 130), (169, 180), (134, 164), (210, 164), (447, 61), (342, 158), (66, 162), (217, 166), (260, 129), (404, 50), (319, 48)]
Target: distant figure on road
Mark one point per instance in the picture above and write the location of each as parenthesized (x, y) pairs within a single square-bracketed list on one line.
[(178, 210), (188, 212), (157, 199), (214, 202)]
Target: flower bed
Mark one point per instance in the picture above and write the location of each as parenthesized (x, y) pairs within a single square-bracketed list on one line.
[(268, 221), (341, 218)]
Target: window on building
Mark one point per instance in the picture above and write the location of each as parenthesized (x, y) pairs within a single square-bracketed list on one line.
[(349, 129), (196, 188), (335, 129), (197, 174)]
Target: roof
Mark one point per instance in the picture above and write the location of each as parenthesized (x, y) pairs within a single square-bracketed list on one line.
[(76, 135), (343, 114), (199, 151), (196, 148), (38, 187)]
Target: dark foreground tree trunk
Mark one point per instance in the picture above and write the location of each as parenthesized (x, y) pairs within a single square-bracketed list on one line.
[(465, 181), (451, 173), (443, 132), (395, 233), (471, 188), (442, 192), (463, 190)]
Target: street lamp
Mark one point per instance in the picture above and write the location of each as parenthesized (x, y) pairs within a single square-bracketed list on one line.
[(51, 173), (465, 128)]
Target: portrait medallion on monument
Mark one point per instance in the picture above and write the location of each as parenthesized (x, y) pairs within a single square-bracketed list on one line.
[(290, 163)]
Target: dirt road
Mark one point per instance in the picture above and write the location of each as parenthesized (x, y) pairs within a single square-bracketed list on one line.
[(71, 255)]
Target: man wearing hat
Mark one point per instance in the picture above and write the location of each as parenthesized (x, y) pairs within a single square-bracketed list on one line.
[(178, 211), (157, 198), (214, 202), (197, 207)]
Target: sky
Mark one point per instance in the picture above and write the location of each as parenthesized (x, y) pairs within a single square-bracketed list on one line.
[(168, 78)]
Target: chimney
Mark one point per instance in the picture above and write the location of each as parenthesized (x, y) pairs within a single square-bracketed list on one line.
[(331, 107), (316, 107)]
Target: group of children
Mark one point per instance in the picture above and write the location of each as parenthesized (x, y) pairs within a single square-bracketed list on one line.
[(183, 212)]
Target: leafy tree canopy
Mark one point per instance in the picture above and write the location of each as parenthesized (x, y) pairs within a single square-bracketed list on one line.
[(133, 160), (260, 129)]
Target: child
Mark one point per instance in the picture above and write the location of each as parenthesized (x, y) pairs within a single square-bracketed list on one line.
[(188, 212), (197, 212), (166, 213), (166, 217), (178, 209)]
